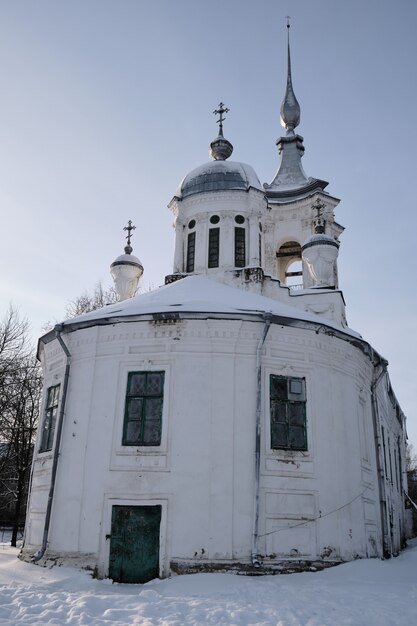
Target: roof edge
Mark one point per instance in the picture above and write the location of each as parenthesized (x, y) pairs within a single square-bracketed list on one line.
[(319, 327)]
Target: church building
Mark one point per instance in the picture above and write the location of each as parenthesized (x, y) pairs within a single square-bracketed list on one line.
[(231, 419)]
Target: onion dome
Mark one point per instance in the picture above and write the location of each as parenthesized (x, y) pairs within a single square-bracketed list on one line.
[(126, 270), (220, 174), (220, 148)]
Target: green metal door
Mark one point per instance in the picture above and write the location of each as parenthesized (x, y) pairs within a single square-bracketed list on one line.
[(134, 543)]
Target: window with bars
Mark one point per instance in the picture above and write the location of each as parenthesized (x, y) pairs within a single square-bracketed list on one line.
[(49, 419), (240, 247), (143, 410), (288, 413), (214, 247), (190, 252)]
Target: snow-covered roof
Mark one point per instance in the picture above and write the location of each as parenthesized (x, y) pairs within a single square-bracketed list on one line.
[(199, 294), (218, 176)]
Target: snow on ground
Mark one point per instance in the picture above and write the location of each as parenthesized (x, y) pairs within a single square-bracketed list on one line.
[(361, 593)]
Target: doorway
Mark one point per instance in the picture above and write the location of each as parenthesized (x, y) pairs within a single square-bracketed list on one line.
[(134, 543)]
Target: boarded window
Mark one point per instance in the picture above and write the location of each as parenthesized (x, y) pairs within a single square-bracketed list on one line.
[(288, 413), (143, 410), (190, 252), (240, 249), (49, 419), (214, 247)]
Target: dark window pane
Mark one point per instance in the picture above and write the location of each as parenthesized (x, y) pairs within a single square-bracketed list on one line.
[(133, 432), (45, 433), (279, 388), (297, 439), (134, 408), (50, 433), (52, 396), (240, 249), (153, 408), (152, 433), (190, 252), (279, 435), (239, 219), (278, 411), (137, 385), (215, 219), (296, 411), (49, 419), (214, 247), (154, 384)]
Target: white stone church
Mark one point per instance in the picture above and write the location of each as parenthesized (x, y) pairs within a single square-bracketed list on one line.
[(230, 419)]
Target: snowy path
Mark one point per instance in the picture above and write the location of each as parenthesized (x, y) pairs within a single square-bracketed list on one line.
[(363, 593)]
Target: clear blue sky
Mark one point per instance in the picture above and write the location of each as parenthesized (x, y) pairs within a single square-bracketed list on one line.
[(106, 104)]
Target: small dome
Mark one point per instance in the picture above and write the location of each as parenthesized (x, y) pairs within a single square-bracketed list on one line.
[(320, 239), (218, 176), (127, 259)]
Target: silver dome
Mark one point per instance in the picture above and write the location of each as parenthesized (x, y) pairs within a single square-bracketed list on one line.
[(219, 176)]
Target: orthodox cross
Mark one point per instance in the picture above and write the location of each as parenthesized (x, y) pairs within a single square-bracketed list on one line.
[(318, 206), (129, 229), (220, 112), (287, 17), (318, 222)]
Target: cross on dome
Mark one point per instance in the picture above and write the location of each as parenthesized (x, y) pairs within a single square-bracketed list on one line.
[(129, 228), (220, 148), (319, 224), (222, 109)]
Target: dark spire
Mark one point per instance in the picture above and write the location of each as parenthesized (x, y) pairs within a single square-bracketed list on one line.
[(290, 109)]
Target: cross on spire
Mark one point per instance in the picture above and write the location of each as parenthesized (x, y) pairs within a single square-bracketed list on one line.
[(129, 228), (220, 112)]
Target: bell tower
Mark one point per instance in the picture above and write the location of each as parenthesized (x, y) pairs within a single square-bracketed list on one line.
[(292, 198)]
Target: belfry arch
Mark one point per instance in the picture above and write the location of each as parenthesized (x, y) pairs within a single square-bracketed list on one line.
[(289, 262)]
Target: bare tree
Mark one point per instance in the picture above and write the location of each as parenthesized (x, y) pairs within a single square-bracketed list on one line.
[(90, 301), (20, 389)]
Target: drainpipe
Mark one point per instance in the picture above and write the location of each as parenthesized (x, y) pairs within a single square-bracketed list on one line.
[(39, 554), (255, 538), (386, 536)]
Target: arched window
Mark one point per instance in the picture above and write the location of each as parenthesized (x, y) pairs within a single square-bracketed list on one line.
[(293, 274), (289, 263)]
